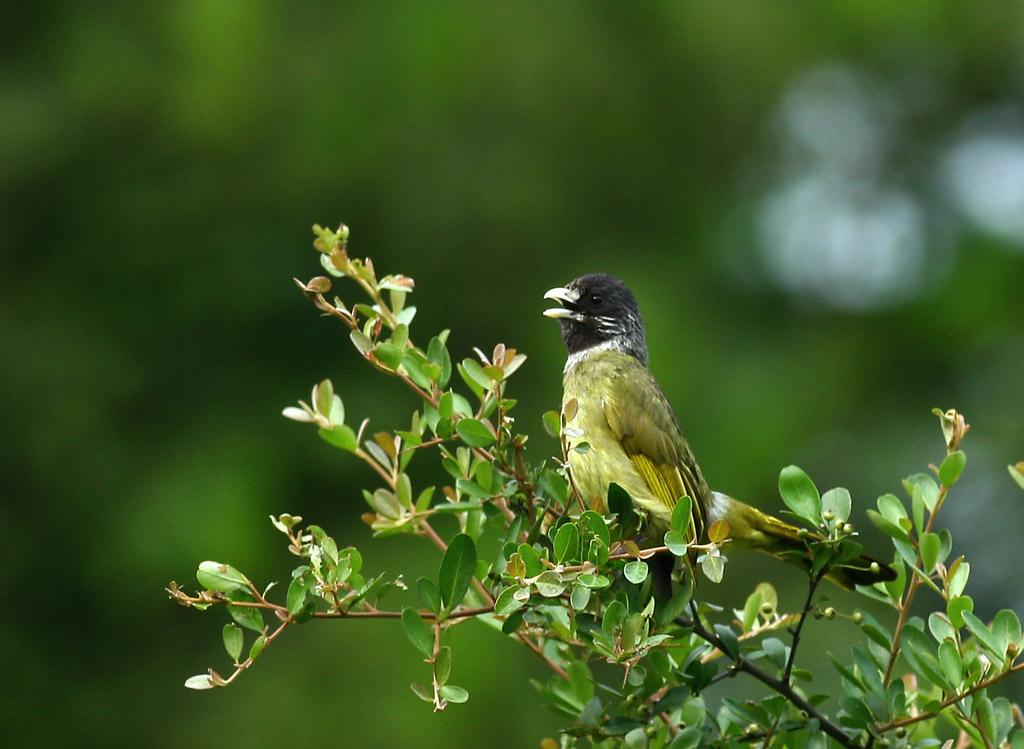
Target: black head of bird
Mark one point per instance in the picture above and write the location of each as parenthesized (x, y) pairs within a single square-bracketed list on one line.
[(598, 310)]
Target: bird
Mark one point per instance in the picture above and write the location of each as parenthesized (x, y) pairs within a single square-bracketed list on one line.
[(634, 438)]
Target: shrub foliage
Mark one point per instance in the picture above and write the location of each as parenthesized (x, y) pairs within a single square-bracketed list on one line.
[(570, 583)]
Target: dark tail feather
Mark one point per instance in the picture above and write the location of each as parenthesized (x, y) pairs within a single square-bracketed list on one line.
[(787, 544), (662, 566)]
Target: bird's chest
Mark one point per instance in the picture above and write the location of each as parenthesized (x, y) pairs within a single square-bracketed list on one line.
[(595, 454)]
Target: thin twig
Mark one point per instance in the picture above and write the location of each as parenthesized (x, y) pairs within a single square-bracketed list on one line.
[(808, 604), (777, 685), (949, 701)]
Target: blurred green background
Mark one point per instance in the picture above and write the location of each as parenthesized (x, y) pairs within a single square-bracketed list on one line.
[(819, 206)]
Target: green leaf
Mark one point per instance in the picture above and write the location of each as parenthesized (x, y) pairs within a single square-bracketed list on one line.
[(838, 501), (580, 681), (361, 341), (454, 694), (958, 578), (594, 523), (552, 423), (945, 545), (471, 488), (668, 611), (1006, 628), (940, 627), (918, 509), (476, 372), (437, 352), (878, 634), (614, 615), (298, 598), (341, 435), (682, 516), (429, 594), (986, 716), (567, 543), (888, 527), (800, 494), (221, 577), (389, 355), (676, 543), (531, 558), (920, 652), (257, 647), (870, 674), (730, 642), (400, 336), (446, 405), (923, 483), (578, 598), (549, 584), (690, 737), (506, 603), (234, 639), (412, 362), (1003, 713), (956, 607), (930, 546), (776, 651), (456, 571), (751, 608), (423, 500), (422, 692), (418, 631), (892, 508), (635, 571), (249, 617), (983, 634), (474, 433), (443, 665), (847, 675), (951, 468), (484, 473), (323, 397), (403, 491), (593, 581), (949, 660), (714, 567)]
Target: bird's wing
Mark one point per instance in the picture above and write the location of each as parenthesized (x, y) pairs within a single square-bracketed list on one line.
[(644, 424)]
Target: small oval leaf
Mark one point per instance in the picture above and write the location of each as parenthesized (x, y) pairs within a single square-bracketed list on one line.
[(800, 494), (418, 632)]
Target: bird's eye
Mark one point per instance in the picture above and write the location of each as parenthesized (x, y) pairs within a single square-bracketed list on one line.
[(596, 299)]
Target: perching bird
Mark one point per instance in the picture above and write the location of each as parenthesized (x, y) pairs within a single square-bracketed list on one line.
[(635, 438)]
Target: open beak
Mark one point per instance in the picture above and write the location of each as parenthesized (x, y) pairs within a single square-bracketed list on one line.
[(564, 296)]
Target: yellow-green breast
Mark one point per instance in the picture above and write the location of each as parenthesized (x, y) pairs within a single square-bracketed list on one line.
[(633, 434)]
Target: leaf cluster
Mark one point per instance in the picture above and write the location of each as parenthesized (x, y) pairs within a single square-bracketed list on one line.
[(570, 581)]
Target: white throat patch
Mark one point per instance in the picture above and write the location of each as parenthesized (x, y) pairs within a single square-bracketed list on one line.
[(614, 344)]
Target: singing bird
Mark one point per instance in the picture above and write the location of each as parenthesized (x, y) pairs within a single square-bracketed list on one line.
[(634, 436)]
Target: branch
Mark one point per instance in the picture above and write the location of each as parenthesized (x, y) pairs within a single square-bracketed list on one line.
[(814, 581), (949, 701), (912, 585), (777, 685)]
